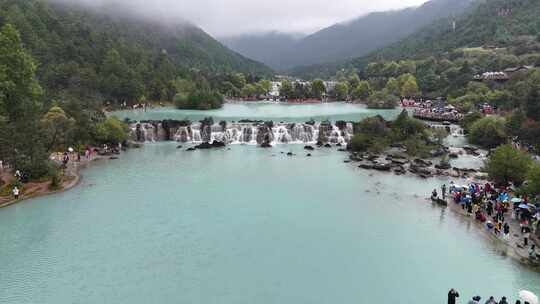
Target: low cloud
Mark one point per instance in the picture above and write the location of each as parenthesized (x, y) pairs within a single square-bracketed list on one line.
[(234, 17)]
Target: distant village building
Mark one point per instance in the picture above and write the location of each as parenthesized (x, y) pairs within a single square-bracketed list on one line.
[(276, 87), (495, 76), (330, 85)]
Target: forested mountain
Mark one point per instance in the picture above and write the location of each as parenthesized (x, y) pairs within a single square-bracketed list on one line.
[(347, 40), (114, 53), (264, 47), (508, 28)]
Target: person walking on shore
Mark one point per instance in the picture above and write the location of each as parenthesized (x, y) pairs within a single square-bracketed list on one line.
[(506, 232), (526, 235), (452, 295), (491, 300), (16, 192)]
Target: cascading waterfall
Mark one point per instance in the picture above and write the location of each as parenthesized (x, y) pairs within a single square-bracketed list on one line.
[(245, 133)]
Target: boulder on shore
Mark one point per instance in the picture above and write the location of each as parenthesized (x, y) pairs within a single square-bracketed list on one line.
[(382, 167), (367, 166), (422, 163)]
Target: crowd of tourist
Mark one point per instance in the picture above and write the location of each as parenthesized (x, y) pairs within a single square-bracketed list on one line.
[(495, 207), (436, 114), (525, 297)]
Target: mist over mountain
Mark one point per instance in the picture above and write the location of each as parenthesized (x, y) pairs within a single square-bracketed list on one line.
[(263, 47), (508, 26), (343, 41)]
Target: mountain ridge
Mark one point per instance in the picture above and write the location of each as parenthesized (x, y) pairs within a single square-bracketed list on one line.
[(353, 38)]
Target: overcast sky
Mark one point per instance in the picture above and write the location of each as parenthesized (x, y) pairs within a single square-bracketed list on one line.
[(232, 17)]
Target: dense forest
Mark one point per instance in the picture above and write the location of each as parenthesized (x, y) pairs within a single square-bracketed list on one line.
[(510, 28), (61, 65), (113, 56), (345, 40)]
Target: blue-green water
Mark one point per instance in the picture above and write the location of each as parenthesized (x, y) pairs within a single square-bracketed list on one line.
[(264, 111), (246, 225)]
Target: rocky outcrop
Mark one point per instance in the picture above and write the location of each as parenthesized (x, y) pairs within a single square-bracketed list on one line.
[(213, 145), (325, 131), (265, 136), (206, 129)]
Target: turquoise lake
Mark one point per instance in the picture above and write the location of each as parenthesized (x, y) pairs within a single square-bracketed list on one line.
[(246, 225), (264, 111)]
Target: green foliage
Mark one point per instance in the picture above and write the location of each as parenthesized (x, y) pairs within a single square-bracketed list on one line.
[(362, 91), (19, 90), (111, 131), (382, 100), (318, 88), (91, 55), (373, 134), (286, 88), (488, 132), (57, 127), (533, 103), (21, 143), (341, 91), (199, 100), (507, 164), (515, 121), (266, 86), (374, 126), (393, 87), (469, 120), (410, 88), (405, 127), (361, 142), (533, 180)]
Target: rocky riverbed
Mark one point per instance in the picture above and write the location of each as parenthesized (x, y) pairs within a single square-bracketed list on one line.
[(396, 160)]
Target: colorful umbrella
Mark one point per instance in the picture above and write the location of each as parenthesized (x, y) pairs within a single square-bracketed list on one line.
[(527, 296)]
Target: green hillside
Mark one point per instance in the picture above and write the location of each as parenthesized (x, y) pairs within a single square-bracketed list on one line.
[(511, 27), (107, 55)]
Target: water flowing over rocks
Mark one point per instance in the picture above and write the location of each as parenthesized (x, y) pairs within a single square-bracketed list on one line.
[(263, 133), (394, 160)]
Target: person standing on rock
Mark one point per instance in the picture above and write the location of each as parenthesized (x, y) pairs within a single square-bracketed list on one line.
[(452, 295), (443, 191)]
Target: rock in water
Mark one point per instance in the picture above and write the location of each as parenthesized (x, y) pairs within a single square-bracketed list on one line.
[(310, 148)]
